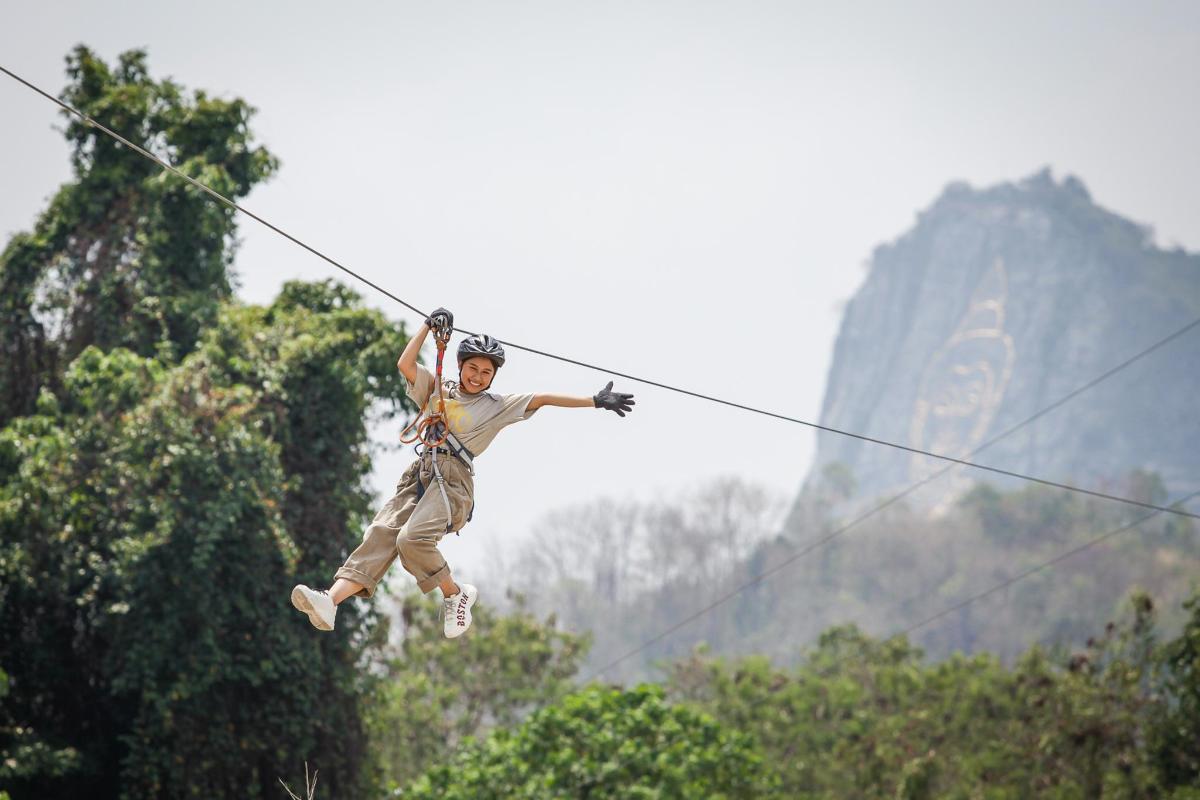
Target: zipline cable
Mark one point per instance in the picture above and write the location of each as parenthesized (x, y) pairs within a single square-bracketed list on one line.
[(952, 461), (1032, 570), (897, 497), (883, 442), (212, 192)]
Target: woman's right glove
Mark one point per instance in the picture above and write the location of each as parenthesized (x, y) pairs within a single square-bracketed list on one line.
[(440, 316), (619, 402)]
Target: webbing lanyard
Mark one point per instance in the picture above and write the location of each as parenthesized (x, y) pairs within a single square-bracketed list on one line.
[(441, 482), (432, 430)]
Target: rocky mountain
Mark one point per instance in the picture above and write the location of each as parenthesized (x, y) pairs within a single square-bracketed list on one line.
[(997, 303)]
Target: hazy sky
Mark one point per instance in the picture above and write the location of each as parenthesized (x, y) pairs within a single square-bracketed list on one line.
[(683, 191)]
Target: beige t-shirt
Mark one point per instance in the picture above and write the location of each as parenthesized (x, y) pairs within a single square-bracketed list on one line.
[(475, 419)]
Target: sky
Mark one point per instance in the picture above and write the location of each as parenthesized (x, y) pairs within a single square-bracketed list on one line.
[(683, 191)]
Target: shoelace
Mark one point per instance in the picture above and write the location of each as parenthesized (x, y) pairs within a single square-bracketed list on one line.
[(448, 606)]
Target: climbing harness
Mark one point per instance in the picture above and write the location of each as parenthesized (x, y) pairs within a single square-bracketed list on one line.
[(441, 485), (432, 432)]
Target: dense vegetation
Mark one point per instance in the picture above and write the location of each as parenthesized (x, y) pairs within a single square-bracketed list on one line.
[(172, 461), (855, 717), (860, 717)]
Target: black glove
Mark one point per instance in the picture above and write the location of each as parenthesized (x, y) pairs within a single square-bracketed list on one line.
[(619, 402), (444, 314)]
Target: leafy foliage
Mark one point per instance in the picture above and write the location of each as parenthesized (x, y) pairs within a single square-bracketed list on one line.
[(867, 718), (1177, 738), (170, 463), (320, 361), (433, 694), (26, 754), (602, 743), (130, 499), (126, 255)]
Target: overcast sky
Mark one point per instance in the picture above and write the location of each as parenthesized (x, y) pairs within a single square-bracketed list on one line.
[(685, 191)]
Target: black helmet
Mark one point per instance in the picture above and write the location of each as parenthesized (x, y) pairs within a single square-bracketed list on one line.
[(481, 345)]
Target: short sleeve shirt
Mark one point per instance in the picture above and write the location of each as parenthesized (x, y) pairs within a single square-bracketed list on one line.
[(475, 419)]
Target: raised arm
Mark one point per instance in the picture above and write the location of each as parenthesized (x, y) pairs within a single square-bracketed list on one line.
[(619, 402), (408, 359)]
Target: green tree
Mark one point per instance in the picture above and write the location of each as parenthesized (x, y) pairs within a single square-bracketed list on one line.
[(170, 463), (25, 754), (866, 718), (1176, 746), (602, 743), (434, 695), (148, 548), (125, 255), (322, 363), (126, 501)]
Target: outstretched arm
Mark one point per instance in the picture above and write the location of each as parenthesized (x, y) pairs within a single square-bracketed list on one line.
[(620, 402), (561, 400)]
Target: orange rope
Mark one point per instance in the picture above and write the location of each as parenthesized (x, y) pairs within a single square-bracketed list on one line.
[(425, 422)]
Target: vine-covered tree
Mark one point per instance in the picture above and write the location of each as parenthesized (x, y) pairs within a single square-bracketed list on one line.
[(171, 462), (126, 254)]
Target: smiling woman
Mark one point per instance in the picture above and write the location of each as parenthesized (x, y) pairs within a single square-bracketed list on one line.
[(465, 417), (475, 374)]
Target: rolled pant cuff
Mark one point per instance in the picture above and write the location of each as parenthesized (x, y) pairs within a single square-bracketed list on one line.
[(427, 585), (368, 583)]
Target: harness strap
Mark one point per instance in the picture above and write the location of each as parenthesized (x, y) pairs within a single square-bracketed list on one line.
[(460, 451), (445, 500), (437, 474), (430, 429)]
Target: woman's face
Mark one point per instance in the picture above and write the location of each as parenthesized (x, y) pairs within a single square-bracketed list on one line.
[(475, 374)]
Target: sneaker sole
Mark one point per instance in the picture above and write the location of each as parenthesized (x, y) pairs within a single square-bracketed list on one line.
[(301, 604), (460, 631)]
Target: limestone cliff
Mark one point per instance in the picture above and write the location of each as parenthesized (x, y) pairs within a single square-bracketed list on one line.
[(997, 303)]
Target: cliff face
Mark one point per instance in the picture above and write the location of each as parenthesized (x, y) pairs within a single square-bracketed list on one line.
[(999, 302)]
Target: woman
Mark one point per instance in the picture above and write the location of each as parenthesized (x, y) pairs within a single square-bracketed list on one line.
[(435, 494)]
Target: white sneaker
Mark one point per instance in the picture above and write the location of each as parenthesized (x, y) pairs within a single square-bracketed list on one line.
[(318, 605), (457, 609)]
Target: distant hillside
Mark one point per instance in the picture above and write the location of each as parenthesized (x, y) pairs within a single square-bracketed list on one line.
[(997, 303), (650, 581)]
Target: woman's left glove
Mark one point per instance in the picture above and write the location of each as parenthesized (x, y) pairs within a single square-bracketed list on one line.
[(619, 402)]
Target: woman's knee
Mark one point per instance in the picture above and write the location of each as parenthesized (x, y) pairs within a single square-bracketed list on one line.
[(408, 545)]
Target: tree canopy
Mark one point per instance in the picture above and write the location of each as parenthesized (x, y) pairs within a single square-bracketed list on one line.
[(860, 717), (602, 743), (126, 255), (171, 462)]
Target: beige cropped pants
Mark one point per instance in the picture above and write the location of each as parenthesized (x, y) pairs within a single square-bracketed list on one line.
[(410, 528)]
